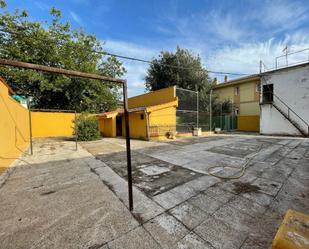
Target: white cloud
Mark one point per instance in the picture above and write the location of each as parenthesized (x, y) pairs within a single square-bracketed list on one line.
[(136, 71), (225, 39), (245, 58), (284, 14), (224, 27), (76, 17)]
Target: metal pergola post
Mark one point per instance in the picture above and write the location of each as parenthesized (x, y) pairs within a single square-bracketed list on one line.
[(71, 73), (128, 145)]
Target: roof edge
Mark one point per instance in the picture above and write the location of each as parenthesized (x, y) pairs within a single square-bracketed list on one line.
[(238, 81)]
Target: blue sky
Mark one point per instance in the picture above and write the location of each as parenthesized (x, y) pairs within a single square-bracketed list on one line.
[(229, 35)]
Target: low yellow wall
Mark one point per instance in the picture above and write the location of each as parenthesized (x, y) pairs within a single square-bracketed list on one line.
[(52, 124), (161, 122), (248, 123), (158, 97), (14, 128), (138, 126), (107, 126)]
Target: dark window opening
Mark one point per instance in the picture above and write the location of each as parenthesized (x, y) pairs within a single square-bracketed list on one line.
[(118, 126), (268, 96), (142, 116)]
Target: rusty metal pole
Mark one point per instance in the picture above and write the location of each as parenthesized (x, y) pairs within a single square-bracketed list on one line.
[(128, 145)]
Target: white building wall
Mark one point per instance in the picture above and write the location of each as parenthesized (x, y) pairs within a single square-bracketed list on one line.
[(273, 122), (291, 85)]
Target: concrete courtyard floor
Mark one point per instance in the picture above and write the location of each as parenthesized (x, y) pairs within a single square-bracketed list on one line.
[(62, 198)]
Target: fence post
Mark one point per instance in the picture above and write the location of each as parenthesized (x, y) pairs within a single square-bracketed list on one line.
[(221, 117), (30, 128), (197, 108), (232, 118)]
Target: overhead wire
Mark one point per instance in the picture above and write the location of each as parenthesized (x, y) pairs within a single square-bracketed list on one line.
[(135, 58)]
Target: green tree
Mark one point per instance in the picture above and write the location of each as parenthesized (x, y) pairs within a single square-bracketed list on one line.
[(181, 68), (185, 70), (56, 44)]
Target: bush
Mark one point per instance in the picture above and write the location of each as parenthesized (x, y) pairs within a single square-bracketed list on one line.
[(87, 127)]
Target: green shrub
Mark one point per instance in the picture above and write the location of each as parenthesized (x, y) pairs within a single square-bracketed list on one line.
[(87, 127)]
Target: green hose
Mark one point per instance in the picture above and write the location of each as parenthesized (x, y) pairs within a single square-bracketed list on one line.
[(242, 169)]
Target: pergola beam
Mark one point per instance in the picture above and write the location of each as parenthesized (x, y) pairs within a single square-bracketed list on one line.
[(56, 70), (72, 73)]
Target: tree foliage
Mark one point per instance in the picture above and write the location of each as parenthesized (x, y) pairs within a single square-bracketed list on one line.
[(181, 68), (87, 127), (56, 44)]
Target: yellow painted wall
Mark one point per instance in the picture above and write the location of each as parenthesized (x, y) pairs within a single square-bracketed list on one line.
[(225, 93), (161, 122), (248, 97), (14, 128), (249, 108), (52, 124), (107, 127), (248, 123), (247, 91), (137, 126), (161, 115), (166, 116), (153, 98)]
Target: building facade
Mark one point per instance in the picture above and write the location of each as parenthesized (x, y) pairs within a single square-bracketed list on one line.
[(151, 116), (244, 93), (285, 101)]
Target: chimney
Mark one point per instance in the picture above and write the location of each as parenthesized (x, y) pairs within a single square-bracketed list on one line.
[(225, 78), (215, 81)]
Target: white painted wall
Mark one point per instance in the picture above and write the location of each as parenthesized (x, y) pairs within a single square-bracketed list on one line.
[(292, 86), (273, 122)]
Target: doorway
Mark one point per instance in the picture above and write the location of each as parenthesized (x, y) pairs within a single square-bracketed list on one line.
[(268, 93), (118, 126)]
